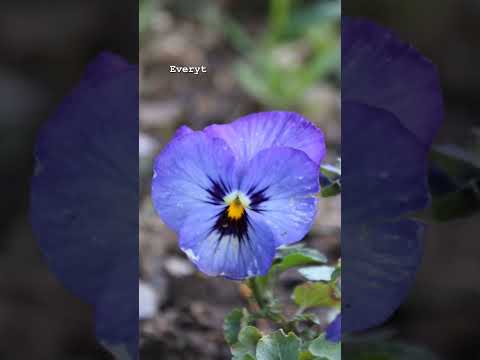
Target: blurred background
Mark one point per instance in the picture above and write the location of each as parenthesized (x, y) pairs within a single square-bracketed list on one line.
[(442, 312), (267, 55), (44, 47)]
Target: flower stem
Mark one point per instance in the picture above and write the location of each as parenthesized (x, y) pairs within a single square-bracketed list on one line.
[(264, 306), (257, 295)]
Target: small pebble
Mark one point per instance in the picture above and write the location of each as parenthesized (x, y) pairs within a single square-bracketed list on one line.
[(178, 267), (147, 301)]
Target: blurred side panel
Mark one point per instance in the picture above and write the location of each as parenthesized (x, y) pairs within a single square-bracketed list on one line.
[(436, 315), (45, 48)]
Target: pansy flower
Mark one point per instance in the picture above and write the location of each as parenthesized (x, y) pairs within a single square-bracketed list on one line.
[(84, 198), (235, 192), (391, 110)]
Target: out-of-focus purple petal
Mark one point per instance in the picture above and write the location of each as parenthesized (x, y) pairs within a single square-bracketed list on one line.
[(83, 184), (334, 330), (381, 71), (380, 263), (116, 312), (391, 110), (384, 166), (105, 65), (384, 177), (84, 193)]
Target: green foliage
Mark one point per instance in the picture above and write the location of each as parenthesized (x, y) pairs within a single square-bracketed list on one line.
[(299, 48), (307, 355), (295, 333), (233, 324), (319, 12), (298, 255), (279, 17), (332, 173), (146, 8), (311, 294), (456, 194), (331, 190), (456, 162), (246, 347), (325, 349), (461, 203), (278, 346)]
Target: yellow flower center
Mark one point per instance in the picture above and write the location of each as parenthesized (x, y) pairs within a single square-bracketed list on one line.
[(235, 209), (237, 203)]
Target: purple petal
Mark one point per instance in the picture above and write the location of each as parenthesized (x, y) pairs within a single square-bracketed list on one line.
[(288, 181), (334, 330), (384, 166), (253, 133), (82, 196), (379, 269), (116, 311), (185, 171), (384, 177), (228, 256), (182, 130), (383, 72), (103, 66)]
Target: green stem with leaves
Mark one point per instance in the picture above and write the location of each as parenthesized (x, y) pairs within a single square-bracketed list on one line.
[(265, 306)]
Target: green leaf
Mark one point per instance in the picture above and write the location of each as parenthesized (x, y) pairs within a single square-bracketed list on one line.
[(308, 317), (337, 273), (307, 355), (278, 346), (457, 193), (323, 348), (237, 35), (315, 294), (385, 351), (279, 18), (331, 190), (246, 346), (331, 171), (232, 325), (456, 162), (292, 256), (317, 273), (318, 13), (146, 10), (458, 204)]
